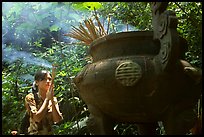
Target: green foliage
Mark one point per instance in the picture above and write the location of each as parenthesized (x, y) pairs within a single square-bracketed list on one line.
[(54, 28), (12, 105), (87, 5), (190, 27), (137, 14)]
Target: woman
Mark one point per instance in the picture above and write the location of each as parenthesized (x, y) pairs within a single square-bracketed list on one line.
[(42, 106)]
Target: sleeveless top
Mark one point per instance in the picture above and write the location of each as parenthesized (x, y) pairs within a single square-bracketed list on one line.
[(44, 127)]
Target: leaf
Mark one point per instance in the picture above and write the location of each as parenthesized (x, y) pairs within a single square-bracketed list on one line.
[(92, 5), (54, 28), (17, 8), (76, 69), (83, 6), (62, 73), (78, 6)]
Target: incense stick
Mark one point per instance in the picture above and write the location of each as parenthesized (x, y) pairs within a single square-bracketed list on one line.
[(88, 33)]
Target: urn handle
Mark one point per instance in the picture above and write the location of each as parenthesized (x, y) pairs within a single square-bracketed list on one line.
[(164, 24)]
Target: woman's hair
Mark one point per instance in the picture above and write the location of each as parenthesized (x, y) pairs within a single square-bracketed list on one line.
[(39, 76)]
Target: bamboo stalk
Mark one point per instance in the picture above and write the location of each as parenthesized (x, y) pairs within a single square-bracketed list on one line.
[(89, 28), (99, 24), (102, 28), (82, 34), (78, 30), (78, 37), (53, 73), (103, 25), (76, 33), (90, 33), (95, 14), (108, 23), (93, 28), (74, 36), (85, 31), (98, 31)]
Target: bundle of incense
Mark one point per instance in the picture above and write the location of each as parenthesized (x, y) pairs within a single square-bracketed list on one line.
[(53, 73), (53, 77), (88, 33)]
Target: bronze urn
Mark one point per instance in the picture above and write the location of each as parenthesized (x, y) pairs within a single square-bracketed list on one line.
[(139, 77)]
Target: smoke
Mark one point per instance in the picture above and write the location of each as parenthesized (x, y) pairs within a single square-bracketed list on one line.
[(21, 22), (25, 24), (10, 55)]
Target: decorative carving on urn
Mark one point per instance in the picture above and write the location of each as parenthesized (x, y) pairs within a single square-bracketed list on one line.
[(164, 26), (128, 73)]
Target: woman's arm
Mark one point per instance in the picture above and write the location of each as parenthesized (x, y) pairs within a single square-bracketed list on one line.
[(56, 114), (37, 115), (42, 111)]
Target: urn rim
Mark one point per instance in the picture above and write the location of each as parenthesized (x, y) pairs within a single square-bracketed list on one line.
[(118, 35)]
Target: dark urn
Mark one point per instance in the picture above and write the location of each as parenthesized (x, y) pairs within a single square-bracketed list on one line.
[(139, 77)]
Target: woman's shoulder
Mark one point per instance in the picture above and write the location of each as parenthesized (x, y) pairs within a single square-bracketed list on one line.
[(29, 96)]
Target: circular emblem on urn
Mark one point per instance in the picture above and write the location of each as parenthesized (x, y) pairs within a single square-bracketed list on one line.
[(128, 73)]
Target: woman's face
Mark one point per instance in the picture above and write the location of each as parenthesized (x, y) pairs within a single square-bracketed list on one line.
[(44, 85)]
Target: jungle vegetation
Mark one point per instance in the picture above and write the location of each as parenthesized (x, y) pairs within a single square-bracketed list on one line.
[(33, 38)]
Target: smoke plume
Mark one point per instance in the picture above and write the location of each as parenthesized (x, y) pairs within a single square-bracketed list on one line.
[(29, 17)]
